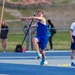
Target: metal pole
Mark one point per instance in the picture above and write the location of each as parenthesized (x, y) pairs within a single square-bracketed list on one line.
[(2, 14)]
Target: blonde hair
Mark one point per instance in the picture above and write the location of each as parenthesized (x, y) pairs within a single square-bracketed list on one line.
[(4, 23)]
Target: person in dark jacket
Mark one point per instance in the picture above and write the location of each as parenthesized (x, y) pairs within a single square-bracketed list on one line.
[(3, 35), (51, 33)]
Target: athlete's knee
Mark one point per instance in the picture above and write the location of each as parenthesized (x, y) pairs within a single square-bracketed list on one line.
[(34, 40)]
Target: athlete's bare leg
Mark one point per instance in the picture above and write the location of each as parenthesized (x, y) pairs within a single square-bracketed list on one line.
[(36, 46), (72, 58)]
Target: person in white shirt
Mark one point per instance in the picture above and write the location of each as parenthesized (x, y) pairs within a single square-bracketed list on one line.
[(72, 36)]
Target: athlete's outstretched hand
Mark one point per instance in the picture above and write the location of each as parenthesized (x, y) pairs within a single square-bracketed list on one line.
[(22, 19)]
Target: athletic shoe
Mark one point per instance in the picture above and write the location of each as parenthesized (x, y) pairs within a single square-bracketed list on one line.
[(72, 64), (51, 50), (3, 51), (43, 62), (39, 55)]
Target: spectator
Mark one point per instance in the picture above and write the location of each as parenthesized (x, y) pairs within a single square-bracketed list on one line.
[(51, 33), (72, 36), (29, 36), (4, 33)]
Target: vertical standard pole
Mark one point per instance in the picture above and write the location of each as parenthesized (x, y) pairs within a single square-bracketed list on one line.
[(2, 14)]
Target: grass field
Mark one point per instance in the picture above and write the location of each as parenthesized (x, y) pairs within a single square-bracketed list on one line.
[(61, 41)]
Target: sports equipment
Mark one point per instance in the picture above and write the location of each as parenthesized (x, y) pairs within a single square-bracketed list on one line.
[(2, 14)]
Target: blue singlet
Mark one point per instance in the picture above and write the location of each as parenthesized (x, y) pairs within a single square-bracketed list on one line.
[(42, 35)]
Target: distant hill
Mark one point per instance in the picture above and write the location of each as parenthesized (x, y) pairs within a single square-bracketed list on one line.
[(49, 1), (63, 1), (44, 1)]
